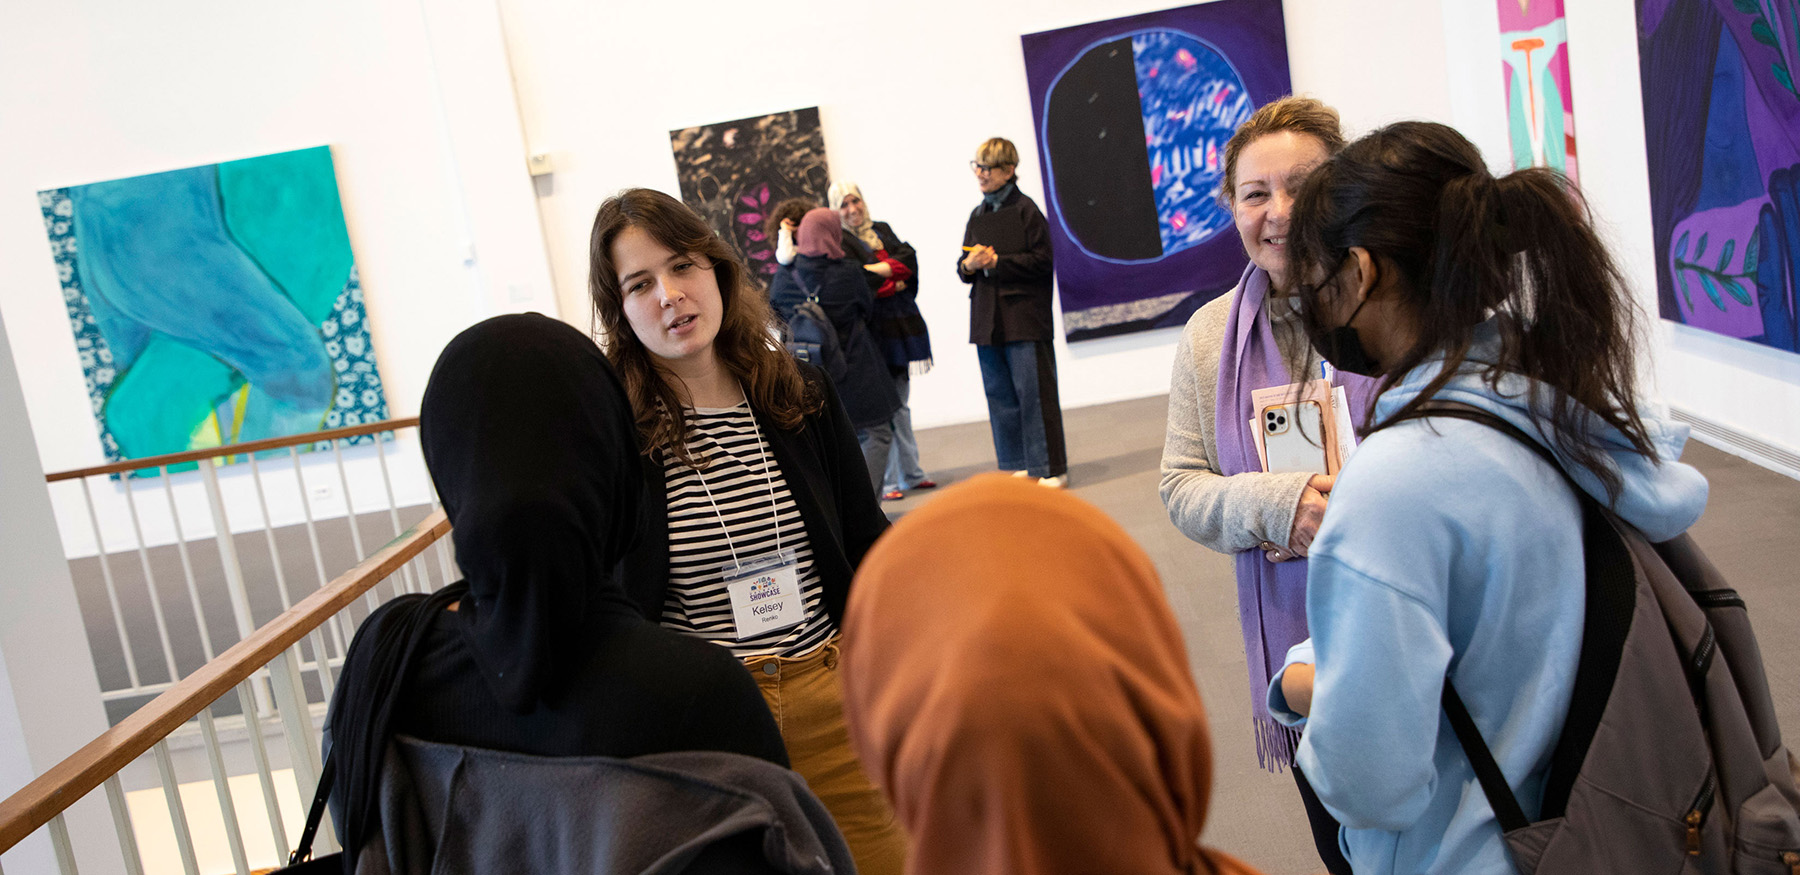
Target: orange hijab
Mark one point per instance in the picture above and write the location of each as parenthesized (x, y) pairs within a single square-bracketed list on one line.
[(1015, 683)]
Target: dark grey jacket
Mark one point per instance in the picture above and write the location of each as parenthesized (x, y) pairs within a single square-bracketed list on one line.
[(450, 809), (1010, 301)]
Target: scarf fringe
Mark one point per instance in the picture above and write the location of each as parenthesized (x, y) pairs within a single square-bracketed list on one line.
[(1275, 744)]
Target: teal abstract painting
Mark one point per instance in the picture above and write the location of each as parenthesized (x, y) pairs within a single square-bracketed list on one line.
[(215, 305)]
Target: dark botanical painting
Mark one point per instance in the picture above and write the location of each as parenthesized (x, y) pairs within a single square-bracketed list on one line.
[(733, 172), (1132, 117), (1722, 130)]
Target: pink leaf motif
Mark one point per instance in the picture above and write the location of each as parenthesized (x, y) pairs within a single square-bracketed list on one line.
[(749, 218), (749, 201), (762, 195), (762, 255), (756, 235)]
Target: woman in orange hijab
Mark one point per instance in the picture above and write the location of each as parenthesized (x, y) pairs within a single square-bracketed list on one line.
[(1015, 683)]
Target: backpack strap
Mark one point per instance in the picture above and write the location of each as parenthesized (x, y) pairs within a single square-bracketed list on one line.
[(1611, 601), (1493, 781)]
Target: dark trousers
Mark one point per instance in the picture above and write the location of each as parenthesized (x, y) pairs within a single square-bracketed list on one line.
[(1324, 828), (1023, 409)]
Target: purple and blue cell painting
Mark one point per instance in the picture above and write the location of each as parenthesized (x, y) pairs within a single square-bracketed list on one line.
[(1722, 132), (1132, 119)]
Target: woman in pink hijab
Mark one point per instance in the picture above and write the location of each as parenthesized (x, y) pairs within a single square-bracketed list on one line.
[(837, 282)]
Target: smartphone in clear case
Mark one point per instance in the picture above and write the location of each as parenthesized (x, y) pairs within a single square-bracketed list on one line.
[(1294, 437)]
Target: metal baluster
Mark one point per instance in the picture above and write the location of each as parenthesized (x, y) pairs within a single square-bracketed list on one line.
[(187, 565), (59, 839), (227, 544), (115, 798), (262, 503), (112, 591), (338, 634), (387, 484), (184, 838), (337, 452), (156, 611), (234, 835), (264, 776), (296, 717)]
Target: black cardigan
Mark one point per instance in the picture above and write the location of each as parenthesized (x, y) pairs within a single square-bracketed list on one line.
[(830, 483), (1010, 301)]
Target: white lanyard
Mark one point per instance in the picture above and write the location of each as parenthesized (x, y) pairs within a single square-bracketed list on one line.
[(775, 506)]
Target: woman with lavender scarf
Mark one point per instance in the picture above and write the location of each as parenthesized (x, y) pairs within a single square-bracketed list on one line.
[(1212, 480)]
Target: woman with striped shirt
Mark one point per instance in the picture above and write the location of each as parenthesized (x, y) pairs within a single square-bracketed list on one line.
[(757, 504)]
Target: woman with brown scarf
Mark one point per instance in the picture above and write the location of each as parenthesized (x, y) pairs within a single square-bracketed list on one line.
[(1016, 684)]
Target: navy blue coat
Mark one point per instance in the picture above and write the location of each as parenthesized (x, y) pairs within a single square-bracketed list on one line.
[(867, 388)]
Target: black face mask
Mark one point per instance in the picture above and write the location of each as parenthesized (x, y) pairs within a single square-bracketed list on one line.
[(1343, 349)]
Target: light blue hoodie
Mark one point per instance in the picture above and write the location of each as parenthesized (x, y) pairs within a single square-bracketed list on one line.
[(1450, 547)]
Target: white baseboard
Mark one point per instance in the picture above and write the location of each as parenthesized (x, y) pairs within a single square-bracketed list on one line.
[(1781, 460)]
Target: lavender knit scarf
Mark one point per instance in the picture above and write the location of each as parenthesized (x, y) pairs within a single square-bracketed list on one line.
[(1271, 595)]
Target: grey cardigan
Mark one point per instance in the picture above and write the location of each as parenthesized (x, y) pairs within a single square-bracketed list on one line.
[(1239, 512)]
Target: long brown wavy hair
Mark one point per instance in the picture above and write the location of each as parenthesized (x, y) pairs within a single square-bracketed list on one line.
[(745, 344), (1519, 250)]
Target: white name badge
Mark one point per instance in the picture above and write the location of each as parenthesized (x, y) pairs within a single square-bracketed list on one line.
[(765, 594)]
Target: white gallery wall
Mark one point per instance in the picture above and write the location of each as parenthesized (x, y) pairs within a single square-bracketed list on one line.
[(432, 107), (905, 94)]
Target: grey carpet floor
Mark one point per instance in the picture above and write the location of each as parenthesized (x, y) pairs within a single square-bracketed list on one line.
[(1751, 530)]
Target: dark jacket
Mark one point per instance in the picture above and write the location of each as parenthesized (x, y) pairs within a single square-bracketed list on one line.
[(1010, 301), (867, 388), (447, 808), (784, 292), (830, 482), (899, 326)]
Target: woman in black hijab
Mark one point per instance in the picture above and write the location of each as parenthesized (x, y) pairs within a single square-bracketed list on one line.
[(532, 444)]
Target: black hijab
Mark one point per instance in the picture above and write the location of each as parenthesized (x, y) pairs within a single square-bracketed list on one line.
[(530, 440)]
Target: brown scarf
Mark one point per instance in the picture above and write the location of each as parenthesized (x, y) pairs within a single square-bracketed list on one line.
[(1015, 682)]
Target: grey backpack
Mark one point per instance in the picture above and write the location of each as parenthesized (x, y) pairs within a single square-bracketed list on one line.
[(1670, 759)]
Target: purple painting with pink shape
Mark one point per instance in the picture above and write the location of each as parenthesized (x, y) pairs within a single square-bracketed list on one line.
[(1132, 118), (732, 173), (1722, 133)]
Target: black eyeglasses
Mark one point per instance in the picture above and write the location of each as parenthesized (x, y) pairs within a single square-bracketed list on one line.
[(979, 167)]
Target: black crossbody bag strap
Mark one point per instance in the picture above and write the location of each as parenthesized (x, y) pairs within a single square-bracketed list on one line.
[(314, 815), (1493, 782)]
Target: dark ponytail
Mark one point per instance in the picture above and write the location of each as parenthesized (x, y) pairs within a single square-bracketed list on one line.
[(1520, 250)]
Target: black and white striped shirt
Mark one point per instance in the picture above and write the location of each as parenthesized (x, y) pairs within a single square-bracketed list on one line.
[(697, 603)]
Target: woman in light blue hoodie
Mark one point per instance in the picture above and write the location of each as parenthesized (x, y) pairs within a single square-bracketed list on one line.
[(1450, 549)]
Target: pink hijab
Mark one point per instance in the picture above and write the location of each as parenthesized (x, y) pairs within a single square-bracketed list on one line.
[(821, 233)]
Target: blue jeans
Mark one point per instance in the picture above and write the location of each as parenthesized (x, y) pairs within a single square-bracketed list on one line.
[(875, 441), (903, 471), (1023, 410)]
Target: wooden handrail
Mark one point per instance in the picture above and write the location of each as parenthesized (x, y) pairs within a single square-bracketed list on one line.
[(66, 782), (236, 449)]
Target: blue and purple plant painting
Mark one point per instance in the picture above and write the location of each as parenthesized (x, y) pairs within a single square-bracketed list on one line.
[(1722, 130)]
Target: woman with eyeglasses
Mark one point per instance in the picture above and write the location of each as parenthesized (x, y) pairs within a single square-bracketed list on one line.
[(1007, 263)]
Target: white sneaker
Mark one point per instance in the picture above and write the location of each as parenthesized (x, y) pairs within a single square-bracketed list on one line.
[(1021, 473), (1060, 481)]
